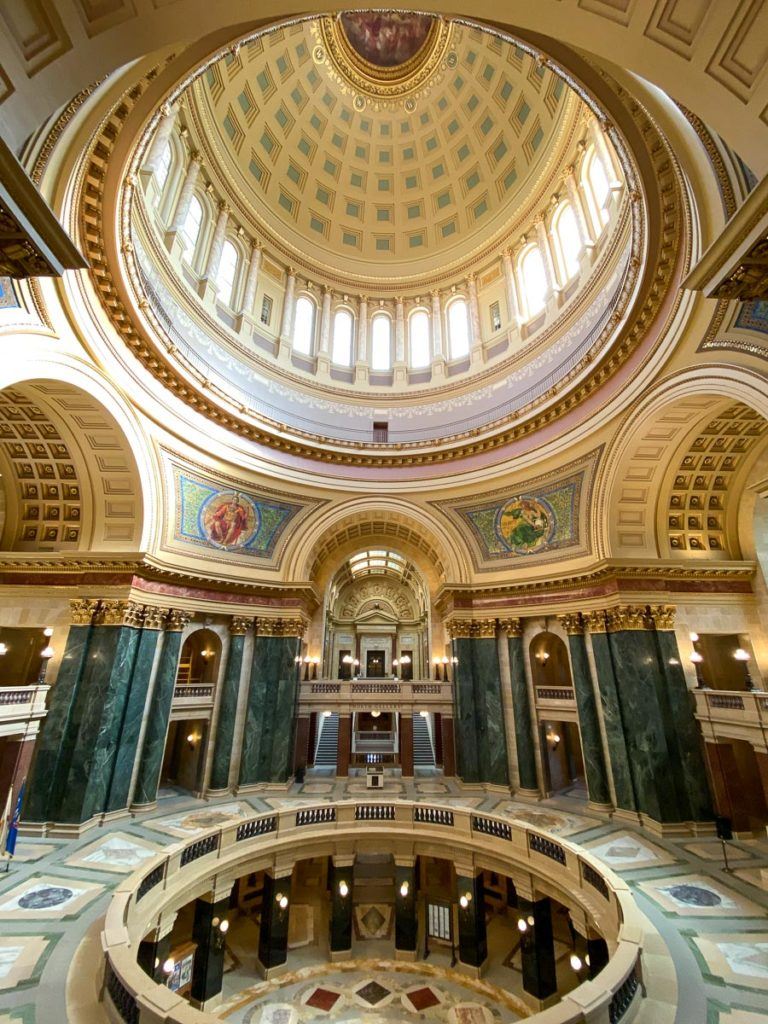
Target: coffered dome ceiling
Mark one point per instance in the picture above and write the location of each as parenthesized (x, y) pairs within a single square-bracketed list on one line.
[(392, 144)]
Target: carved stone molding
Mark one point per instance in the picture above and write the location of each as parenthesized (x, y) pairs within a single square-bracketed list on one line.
[(663, 616), (458, 629), (176, 620), (627, 617), (573, 624), (512, 627), (471, 628), (81, 611), (596, 623), (749, 278), (280, 627), (154, 618), (239, 625)]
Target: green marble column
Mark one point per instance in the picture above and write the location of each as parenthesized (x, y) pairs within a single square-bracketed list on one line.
[(340, 885), (53, 749), (491, 734), (589, 723), (537, 947), (267, 751), (464, 721), (230, 691), (473, 940), (98, 710), (682, 709), (521, 706), (273, 931), (618, 754), (159, 711), (650, 737), (133, 716)]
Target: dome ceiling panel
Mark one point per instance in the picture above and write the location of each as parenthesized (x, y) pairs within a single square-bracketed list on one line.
[(408, 181)]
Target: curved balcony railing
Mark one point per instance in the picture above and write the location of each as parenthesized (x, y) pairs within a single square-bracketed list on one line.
[(184, 871), (384, 694)]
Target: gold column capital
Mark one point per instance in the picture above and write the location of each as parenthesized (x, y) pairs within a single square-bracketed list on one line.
[(663, 616), (596, 621), (627, 617), (154, 618), (572, 623), (176, 620), (81, 611), (512, 627), (119, 613), (280, 627), (239, 625)]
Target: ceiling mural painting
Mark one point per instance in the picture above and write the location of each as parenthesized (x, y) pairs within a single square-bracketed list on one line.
[(386, 38), (229, 516), (543, 517)]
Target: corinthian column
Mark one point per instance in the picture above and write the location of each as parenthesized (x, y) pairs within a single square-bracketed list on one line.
[(542, 237), (251, 282), (208, 282), (157, 145), (438, 356), (576, 201), (185, 198), (287, 323), (476, 340), (510, 287), (361, 363)]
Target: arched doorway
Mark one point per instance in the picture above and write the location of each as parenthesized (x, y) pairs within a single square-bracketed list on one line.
[(557, 717)]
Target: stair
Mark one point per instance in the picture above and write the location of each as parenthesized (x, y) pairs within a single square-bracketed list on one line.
[(423, 754), (327, 741)]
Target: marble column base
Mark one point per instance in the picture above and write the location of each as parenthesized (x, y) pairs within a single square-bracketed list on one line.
[(532, 796), (407, 955)]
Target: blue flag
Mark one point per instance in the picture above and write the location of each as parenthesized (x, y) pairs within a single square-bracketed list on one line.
[(13, 831)]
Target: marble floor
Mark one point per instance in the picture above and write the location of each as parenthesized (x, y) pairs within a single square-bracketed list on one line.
[(714, 922)]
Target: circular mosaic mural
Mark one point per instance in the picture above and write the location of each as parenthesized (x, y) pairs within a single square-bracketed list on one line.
[(525, 524), (229, 519), (695, 895), (45, 898)]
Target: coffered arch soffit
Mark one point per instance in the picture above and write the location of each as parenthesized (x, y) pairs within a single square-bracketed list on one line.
[(656, 41), (669, 483)]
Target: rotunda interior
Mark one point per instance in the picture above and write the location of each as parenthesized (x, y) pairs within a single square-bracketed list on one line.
[(383, 513)]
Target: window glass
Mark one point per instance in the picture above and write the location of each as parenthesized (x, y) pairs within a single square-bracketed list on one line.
[(163, 167), (534, 281), (458, 329), (341, 352), (225, 278), (418, 337), (190, 230), (304, 326), (569, 243), (381, 348)]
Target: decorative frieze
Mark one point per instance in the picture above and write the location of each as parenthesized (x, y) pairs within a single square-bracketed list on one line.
[(573, 624), (81, 611), (280, 627), (239, 626), (176, 620)]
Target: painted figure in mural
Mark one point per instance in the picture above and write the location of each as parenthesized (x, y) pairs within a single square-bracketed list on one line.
[(524, 524), (228, 521), (386, 38)]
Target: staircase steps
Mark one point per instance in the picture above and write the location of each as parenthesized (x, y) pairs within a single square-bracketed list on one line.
[(423, 754), (326, 750)]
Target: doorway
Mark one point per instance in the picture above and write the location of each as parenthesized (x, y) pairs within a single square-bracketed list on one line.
[(183, 758), (563, 758), (374, 664)]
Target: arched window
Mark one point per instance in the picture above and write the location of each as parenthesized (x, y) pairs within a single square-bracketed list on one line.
[(163, 167), (533, 278), (458, 329), (381, 343), (341, 352), (225, 278), (418, 339), (304, 326), (596, 188), (568, 242), (190, 229)]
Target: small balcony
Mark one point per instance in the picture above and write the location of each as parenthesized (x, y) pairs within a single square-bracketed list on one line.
[(20, 705), (734, 715), (346, 695)]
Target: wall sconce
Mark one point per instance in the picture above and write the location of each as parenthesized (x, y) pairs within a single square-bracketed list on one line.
[(743, 656), (281, 900), (220, 929), (327, 714), (192, 740), (424, 714), (554, 739), (395, 664), (542, 657), (404, 889), (522, 925), (206, 655), (48, 631), (697, 659), (46, 654), (168, 966), (307, 662), (343, 889), (577, 964), (405, 660), (436, 663), (315, 663), (375, 714), (465, 899), (356, 668), (3, 649), (694, 638)]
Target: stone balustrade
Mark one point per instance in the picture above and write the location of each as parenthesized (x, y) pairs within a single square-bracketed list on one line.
[(734, 715), (184, 871), (347, 695), (22, 707)]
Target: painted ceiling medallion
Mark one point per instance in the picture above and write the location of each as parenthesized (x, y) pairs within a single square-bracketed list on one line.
[(383, 54)]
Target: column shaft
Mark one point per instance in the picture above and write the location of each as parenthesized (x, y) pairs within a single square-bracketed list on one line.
[(437, 327), (406, 746), (230, 692), (406, 910), (589, 723), (476, 333), (526, 751), (217, 243), (273, 932), (208, 966), (340, 924), (449, 745), (538, 949), (159, 712), (287, 324), (510, 288), (159, 139), (344, 747), (542, 236), (399, 332), (473, 941), (325, 322), (362, 332), (251, 280), (186, 193)]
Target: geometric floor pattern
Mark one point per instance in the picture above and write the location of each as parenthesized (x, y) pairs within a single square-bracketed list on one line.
[(715, 922)]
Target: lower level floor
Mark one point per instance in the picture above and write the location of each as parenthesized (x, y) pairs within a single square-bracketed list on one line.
[(712, 918)]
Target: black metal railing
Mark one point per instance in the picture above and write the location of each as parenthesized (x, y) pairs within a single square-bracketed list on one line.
[(199, 849), (491, 827), (546, 847), (257, 827)]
